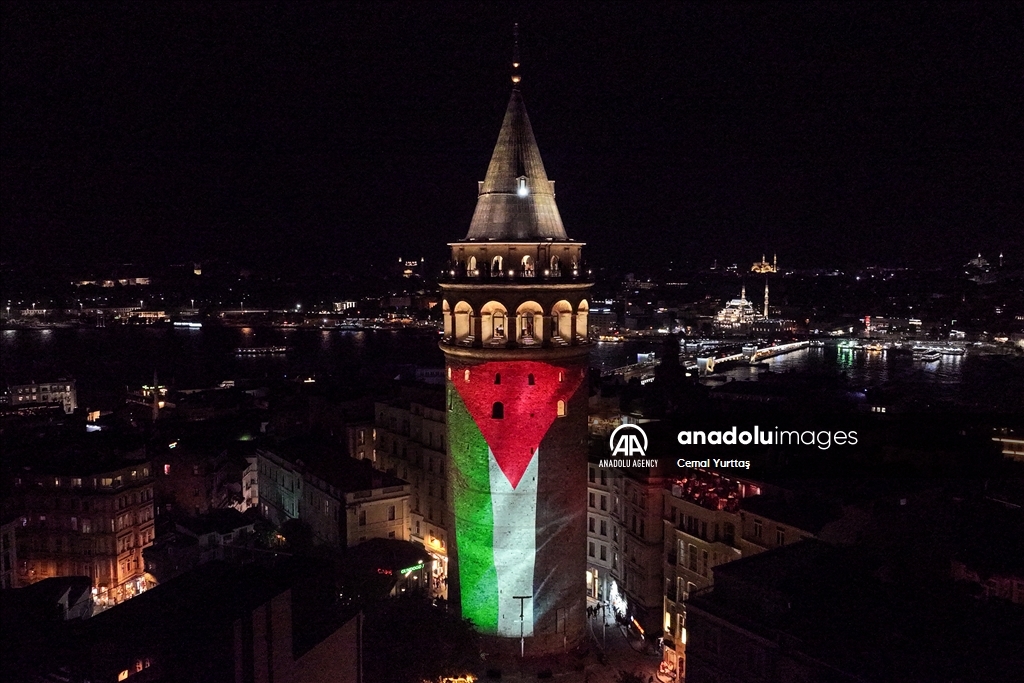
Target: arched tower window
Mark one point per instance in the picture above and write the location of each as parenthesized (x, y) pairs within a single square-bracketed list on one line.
[(449, 373), (472, 266), (467, 375), (530, 380), (497, 266), (498, 411), (529, 317), (556, 265), (497, 378), (528, 266), (561, 409), (493, 318)]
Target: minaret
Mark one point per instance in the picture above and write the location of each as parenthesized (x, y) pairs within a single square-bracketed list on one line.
[(515, 303), (155, 408), (766, 298)]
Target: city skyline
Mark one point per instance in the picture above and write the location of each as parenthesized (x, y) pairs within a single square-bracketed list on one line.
[(835, 135), (241, 441)]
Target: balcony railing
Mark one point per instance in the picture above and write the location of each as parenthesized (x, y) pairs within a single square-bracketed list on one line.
[(482, 276)]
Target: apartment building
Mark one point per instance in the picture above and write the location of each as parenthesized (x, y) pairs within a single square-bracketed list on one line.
[(702, 529), (711, 520), (84, 516), (603, 533), (344, 501), (409, 440), (61, 392), (636, 511)]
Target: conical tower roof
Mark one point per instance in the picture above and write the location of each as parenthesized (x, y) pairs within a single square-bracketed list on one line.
[(516, 201)]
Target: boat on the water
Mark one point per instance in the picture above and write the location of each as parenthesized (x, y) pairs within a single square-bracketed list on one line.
[(260, 350), (930, 356)]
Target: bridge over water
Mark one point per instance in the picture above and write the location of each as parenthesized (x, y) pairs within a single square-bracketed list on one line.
[(706, 357)]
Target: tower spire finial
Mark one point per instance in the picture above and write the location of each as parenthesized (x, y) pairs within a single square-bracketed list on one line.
[(516, 77)]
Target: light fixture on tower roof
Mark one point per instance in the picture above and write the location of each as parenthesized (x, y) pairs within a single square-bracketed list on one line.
[(516, 76)]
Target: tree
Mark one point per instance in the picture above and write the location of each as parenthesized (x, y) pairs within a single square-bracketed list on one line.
[(627, 677), (411, 639), (298, 535)]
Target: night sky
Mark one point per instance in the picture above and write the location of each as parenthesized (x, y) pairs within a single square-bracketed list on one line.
[(319, 135)]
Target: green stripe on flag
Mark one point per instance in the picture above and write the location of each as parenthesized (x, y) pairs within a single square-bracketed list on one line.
[(474, 520)]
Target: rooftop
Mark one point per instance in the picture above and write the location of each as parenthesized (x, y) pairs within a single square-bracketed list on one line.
[(804, 512), (854, 611), (516, 200), (329, 461)]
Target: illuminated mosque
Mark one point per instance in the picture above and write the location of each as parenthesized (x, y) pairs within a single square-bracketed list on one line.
[(739, 313)]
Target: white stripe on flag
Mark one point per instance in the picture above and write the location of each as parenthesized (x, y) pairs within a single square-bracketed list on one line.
[(515, 544)]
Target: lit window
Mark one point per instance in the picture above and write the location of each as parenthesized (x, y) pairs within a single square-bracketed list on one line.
[(466, 375), (561, 409)]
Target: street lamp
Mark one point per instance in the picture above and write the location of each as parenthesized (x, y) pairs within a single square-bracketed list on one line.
[(522, 623)]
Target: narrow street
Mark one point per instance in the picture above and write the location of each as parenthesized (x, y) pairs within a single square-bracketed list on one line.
[(610, 651)]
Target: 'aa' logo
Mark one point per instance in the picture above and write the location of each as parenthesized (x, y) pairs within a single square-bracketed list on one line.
[(628, 440)]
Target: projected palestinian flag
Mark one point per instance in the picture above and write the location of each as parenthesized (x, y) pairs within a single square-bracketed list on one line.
[(499, 415)]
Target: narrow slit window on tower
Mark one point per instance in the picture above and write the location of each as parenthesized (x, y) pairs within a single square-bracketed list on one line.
[(497, 378), (560, 376), (498, 411), (561, 409), (466, 375), (449, 373), (530, 380)]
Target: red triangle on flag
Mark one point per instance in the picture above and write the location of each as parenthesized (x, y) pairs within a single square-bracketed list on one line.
[(512, 413)]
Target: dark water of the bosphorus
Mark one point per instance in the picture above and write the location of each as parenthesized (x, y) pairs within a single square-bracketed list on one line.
[(104, 361)]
